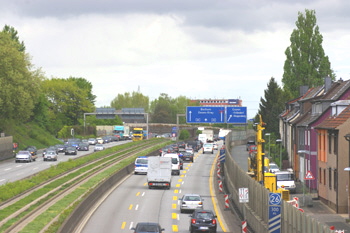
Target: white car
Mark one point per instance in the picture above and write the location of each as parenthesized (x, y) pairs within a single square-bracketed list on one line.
[(215, 145), (191, 202), (273, 168), (208, 147), (99, 147)]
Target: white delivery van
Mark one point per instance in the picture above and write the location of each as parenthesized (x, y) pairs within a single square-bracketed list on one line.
[(175, 163)]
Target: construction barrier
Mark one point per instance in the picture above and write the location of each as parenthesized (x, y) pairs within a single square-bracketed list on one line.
[(220, 186), (244, 227), (227, 205)]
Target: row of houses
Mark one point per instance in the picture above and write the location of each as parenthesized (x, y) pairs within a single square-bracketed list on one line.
[(315, 129)]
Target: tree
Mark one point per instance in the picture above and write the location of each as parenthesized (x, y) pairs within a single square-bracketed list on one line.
[(131, 100), (20, 86), (67, 101), (13, 34), (272, 106), (83, 84), (306, 63)]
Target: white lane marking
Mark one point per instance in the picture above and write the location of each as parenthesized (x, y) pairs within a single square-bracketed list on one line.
[(35, 168), (137, 207), (19, 166), (143, 194), (7, 169)]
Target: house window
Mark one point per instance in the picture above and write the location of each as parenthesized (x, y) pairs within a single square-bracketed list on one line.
[(335, 183), (329, 143), (330, 178), (335, 148), (320, 175)]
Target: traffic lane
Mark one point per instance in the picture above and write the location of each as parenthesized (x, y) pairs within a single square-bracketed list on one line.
[(133, 202), (11, 171)]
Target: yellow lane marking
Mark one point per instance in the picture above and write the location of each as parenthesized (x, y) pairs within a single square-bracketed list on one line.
[(123, 225), (145, 184), (130, 207), (182, 175), (212, 194), (184, 171), (179, 180), (186, 168), (138, 194), (174, 215), (175, 228), (174, 198), (177, 185), (174, 206), (176, 191)]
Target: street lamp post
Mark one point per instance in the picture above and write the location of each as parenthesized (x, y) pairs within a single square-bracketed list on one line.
[(347, 137), (280, 141), (268, 134)]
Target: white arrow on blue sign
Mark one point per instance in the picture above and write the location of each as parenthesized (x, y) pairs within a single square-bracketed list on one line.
[(197, 114)]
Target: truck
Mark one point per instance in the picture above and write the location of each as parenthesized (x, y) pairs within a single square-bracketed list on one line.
[(127, 135), (118, 131), (223, 133), (159, 172), (137, 134), (210, 134), (202, 138)]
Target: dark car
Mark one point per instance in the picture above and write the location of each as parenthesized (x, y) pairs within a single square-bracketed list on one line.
[(31, 149), (60, 148), (146, 227), (187, 157), (83, 147), (203, 221), (71, 150), (181, 145), (250, 143)]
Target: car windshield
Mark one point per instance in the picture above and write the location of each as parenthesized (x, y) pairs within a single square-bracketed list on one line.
[(273, 166), (284, 176), (205, 215), (174, 160), (192, 198), (142, 161)]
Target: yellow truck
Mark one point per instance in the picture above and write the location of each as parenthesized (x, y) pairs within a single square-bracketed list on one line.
[(137, 134)]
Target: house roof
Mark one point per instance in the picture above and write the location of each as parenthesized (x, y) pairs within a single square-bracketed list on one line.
[(333, 122), (333, 94)]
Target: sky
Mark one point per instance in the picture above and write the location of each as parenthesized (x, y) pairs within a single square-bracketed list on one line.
[(201, 49)]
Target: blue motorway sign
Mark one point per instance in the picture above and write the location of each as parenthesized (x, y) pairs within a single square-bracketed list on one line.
[(205, 114), (275, 212), (236, 115)]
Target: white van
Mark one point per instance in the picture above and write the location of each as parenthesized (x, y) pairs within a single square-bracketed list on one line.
[(285, 179), (141, 165), (175, 163)]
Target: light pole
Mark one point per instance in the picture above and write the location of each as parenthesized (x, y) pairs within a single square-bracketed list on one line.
[(303, 173), (347, 137), (280, 141), (268, 134)]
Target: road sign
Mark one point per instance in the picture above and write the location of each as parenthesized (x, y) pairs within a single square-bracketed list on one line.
[(205, 114), (236, 115), (243, 195), (309, 176), (275, 212)]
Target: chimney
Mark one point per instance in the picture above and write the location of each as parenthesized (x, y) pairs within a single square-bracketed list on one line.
[(303, 90), (327, 83)]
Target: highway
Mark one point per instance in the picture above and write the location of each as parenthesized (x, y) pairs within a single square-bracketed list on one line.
[(132, 202), (11, 171)]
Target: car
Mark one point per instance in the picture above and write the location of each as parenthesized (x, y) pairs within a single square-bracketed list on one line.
[(83, 147), (146, 227), (250, 143), (99, 141), (60, 148), (106, 139), (141, 165), (31, 149), (181, 144), (186, 156), (71, 150), (215, 145), (203, 220), (273, 168), (99, 147), (24, 156), (191, 202), (189, 150), (50, 155), (92, 141), (208, 147), (285, 179), (175, 163)]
